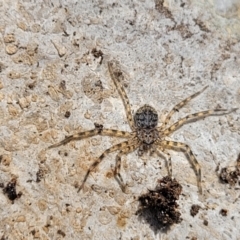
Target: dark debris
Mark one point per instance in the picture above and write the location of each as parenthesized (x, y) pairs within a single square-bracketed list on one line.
[(67, 114), (223, 212), (60, 232), (97, 54), (39, 175), (205, 222), (230, 176), (42, 171), (194, 210), (10, 190), (159, 207), (99, 127)]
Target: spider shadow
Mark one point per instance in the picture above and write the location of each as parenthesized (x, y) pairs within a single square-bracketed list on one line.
[(148, 216)]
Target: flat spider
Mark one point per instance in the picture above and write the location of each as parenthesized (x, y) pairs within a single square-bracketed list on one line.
[(145, 135)]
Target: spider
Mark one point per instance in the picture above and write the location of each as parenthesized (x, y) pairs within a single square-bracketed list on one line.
[(146, 135)]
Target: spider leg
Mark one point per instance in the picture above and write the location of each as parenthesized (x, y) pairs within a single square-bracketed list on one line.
[(117, 77), (178, 106), (184, 147), (117, 175), (91, 133), (116, 147), (116, 133), (168, 159), (194, 116)]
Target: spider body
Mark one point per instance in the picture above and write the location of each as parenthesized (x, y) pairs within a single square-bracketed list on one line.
[(145, 135)]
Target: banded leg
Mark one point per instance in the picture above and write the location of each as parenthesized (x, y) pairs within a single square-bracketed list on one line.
[(91, 133), (194, 116), (168, 160), (117, 169), (178, 106), (117, 77), (184, 147), (116, 147)]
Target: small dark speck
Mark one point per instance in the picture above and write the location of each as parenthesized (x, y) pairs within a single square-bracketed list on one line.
[(67, 114), (194, 210), (205, 222), (223, 212), (97, 53), (60, 232), (31, 85), (10, 190), (65, 34)]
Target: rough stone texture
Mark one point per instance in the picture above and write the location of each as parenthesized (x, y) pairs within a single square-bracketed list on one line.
[(54, 82)]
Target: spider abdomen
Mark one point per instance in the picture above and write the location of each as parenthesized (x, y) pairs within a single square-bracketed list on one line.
[(146, 117)]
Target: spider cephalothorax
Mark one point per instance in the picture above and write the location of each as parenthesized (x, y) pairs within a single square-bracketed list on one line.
[(145, 134), (146, 120)]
